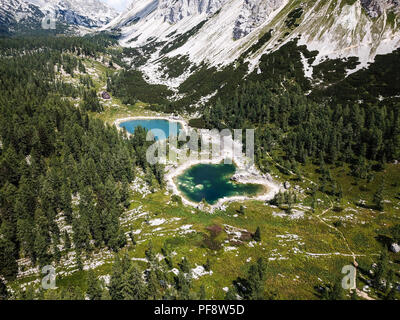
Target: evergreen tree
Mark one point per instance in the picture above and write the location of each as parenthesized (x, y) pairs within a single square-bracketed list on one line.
[(257, 235), (118, 280), (207, 265), (337, 291), (378, 198), (202, 295), (253, 286), (42, 238), (391, 295), (153, 286), (67, 240), (133, 286), (184, 265), (8, 254), (230, 295), (3, 291), (381, 268), (94, 289)]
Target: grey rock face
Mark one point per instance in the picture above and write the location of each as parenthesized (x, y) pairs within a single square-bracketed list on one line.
[(253, 14), (88, 13), (28, 14), (175, 10), (17, 13), (375, 8)]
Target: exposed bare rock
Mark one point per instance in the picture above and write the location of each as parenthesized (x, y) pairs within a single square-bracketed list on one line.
[(175, 10), (395, 248), (375, 8), (253, 14)]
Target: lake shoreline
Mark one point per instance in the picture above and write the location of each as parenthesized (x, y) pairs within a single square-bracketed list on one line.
[(244, 174), (259, 189), (179, 120), (270, 187)]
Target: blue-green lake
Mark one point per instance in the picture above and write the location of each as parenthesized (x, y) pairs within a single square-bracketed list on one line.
[(151, 124), (211, 182)]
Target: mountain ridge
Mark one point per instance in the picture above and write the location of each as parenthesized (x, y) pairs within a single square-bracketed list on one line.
[(22, 15), (335, 28)]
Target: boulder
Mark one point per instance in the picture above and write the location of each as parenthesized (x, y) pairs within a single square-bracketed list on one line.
[(287, 185), (395, 247), (105, 95)]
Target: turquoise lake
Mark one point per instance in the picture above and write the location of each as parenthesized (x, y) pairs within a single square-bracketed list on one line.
[(212, 182), (151, 124)]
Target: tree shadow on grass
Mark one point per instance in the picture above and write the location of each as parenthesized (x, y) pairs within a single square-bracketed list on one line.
[(384, 240)]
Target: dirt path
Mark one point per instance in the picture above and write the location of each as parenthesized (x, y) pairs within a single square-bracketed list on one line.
[(319, 217)]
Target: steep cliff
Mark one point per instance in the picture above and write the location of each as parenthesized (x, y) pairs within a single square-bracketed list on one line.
[(253, 14)]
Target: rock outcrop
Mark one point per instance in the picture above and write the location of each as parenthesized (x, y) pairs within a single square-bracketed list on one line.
[(375, 8), (173, 11), (253, 14), (395, 247)]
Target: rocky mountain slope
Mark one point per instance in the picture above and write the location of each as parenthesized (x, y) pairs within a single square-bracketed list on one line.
[(13, 12), (17, 15), (219, 31), (88, 13), (375, 8)]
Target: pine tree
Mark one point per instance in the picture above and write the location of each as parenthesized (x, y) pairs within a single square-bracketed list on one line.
[(133, 286), (56, 251), (153, 286), (94, 290), (202, 295), (230, 295), (42, 238), (66, 202), (207, 265), (391, 295), (257, 235), (255, 281), (378, 198), (150, 256), (3, 290), (79, 262), (381, 269), (120, 267), (337, 292), (67, 240), (132, 237), (125, 193), (8, 253), (184, 265), (183, 285), (395, 232)]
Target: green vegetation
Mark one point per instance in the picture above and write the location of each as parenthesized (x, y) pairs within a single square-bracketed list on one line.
[(79, 194), (52, 151), (131, 88), (293, 17)]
